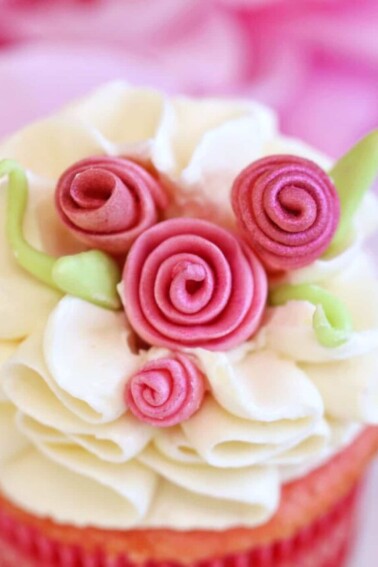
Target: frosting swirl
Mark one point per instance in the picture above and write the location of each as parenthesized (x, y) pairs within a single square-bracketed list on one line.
[(288, 208), (166, 391), (115, 195), (191, 283)]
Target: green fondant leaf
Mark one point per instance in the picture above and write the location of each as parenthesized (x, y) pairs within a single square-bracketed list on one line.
[(37, 263), (353, 175), (332, 321), (92, 276)]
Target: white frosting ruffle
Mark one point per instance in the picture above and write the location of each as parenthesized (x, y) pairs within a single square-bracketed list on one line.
[(119, 500), (55, 415), (87, 341), (277, 406), (289, 330), (349, 388), (220, 445)]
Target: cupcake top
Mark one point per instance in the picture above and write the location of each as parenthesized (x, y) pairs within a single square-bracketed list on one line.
[(189, 318)]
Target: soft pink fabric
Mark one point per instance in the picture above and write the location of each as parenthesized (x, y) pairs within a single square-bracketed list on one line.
[(108, 202), (188, 282), (164, 35), (288, 209), (39, 77), (316, 61), (166, 391), (318, 66)]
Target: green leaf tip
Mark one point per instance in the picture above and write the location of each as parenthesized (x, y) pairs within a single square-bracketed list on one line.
[(91, 275), (332, 321), (353, 175), (37, 263)]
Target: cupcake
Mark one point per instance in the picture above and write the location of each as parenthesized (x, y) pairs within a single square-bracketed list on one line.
[(189, 338)]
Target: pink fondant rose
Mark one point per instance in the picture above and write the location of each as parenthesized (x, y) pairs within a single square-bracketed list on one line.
[(166, 391), (107, 202), (191, 283), (288, 209)]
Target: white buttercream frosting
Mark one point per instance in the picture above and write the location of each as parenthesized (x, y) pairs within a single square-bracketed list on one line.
[(275, 407)]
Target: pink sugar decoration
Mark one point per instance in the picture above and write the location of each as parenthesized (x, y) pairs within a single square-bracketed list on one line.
[(107, 202), (166, 391), (191, 283), (288, 209)]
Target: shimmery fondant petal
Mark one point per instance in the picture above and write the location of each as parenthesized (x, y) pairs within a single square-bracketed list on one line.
[(107, 202), (288, 209), (166, 391), (191, 283)]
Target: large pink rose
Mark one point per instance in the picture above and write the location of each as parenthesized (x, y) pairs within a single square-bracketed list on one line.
[(190, 283), (107, 202)]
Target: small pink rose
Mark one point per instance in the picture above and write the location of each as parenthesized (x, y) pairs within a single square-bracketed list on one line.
[(166, 391), (188, 282), (288, 209), (108, 202)]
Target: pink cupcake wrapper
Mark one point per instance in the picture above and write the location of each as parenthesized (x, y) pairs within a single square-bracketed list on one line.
[(325, 543)]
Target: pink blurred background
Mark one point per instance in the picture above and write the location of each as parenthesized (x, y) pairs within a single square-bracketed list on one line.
[(315, 61)]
